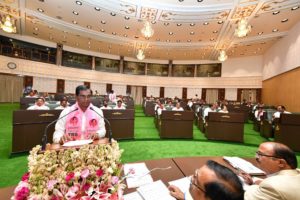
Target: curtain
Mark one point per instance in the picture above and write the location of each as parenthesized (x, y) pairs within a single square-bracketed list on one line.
[(211, 95), (249, 95), (11, 88), (137, 94)]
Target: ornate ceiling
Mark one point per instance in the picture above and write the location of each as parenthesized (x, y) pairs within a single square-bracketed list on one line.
[(184, 29)]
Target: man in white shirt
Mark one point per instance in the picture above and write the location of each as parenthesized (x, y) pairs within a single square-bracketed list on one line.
[(211, 108), (105, 106), (212, 181), (39, 105), (119, 105), (82, 120), (178, 107), (63, 104), (112, 96), (280, 109)]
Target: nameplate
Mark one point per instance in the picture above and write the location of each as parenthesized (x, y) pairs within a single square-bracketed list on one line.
[(46, 115), (225, 116), (116, 113), (177, 114)]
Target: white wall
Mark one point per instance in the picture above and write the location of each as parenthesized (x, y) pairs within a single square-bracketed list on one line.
[(231, 94), (100, 87), (154, 91), (191, 92), (44, 84), (173, 91), (70, 86), (284, 55), (119, 89)]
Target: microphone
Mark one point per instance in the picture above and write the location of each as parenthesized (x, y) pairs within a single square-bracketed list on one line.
[(109, 126), (45, 139)]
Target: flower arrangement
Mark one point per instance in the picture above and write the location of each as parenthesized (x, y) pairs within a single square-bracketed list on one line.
[(91, 172)]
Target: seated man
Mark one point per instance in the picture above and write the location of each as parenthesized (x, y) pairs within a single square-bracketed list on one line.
[(211, 108), (178, 107), (39, 105), (105, 106), (31, 95), (223, 109), (82, 120), (259, 112), (119, 105), (212, 181), (280, 109), (63, 104), (169, 106), (283, 182)]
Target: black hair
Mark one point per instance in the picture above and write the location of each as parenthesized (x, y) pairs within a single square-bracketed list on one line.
[(80, 88), (227, 187), (284, 152)]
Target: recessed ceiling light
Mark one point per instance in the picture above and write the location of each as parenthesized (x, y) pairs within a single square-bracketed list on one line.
[(153, 22), (97, 8), (75, 13), (215, 31), (275, 30), (205, 23), (192, 33), (167, 40), (125, 35), (260, 33), (74, 22), (179, 24), (212, 39), (220, 22), (199, 1), (189, 40), (127, 27), (192, 24), (166, 23), (79, 3), (36, 28), (113, 14), (276, 12), (295, 8), (102, 30), (284, 20), (89, 47), (254, 52), (171, 33), (40, 10), (89, 26), (103, 22), (126, 17), (114, 33), (136, 37)]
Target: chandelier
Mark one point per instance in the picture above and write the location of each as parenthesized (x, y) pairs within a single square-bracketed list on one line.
[(147, 30), (7, 24), (242, 29), (140, 55), (222, 57)]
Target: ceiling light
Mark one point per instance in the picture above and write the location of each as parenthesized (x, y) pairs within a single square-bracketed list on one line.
[(140, 55), (189, 40), (147, 30), (97, 8), (153, 22), (40, 10), (79, 3), (7, 24), (220, 22), (284, 20), (199, 1), (75, 13), (222, 56), (125, 35), (114, 33), (113, 14), (242, 29), (102, 30), (260, 33), (275, 30), (179, 24), (276, 12), (74, 22), (295, 8), (127, 27), (166, 23), (103, 22), (205, 23), (215, 31), (171, 33), (126, 17), (89, 26), (192, 33), (36, 28), (167, 40), (192, 24), (212, 39)]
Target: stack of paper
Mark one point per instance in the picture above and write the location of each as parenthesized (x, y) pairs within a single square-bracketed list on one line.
[(243, 165), (155, 191), (77, 143), (140, 177), (183, 184)]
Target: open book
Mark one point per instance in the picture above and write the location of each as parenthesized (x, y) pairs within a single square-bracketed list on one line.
[(243, 165)]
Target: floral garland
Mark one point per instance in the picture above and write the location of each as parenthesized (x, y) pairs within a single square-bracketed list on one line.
[(92, 172)]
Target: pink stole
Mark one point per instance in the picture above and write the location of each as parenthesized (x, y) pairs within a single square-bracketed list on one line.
[(74, 123)]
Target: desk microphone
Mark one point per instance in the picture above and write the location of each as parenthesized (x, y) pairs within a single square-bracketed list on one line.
[(109, 126), (45, 139)]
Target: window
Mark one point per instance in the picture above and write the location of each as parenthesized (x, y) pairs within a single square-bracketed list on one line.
[(136, 68), (70, 59), (157, 69), (107, 65)]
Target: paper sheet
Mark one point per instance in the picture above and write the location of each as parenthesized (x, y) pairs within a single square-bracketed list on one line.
[(133, 196), (243, 165), (155, 191), (140, 176), (183, 184), (77, 143)]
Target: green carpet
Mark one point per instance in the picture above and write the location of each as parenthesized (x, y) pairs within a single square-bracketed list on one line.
[(145, 146)]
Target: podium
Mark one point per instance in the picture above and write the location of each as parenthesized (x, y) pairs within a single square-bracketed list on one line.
[(225, 126), (287, 131), (176, 124), (29, 126), (122, 123)]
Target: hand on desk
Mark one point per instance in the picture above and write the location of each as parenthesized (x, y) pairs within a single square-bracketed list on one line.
[(248, 179), (176, 192), (65, 138)]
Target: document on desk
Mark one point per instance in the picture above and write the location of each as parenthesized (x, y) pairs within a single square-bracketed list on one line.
[(77, 143), (155, 191), (243, 165), (183, 184), (133, 196), (141, 175)]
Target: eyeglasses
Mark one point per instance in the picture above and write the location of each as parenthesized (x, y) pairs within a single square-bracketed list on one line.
[(259, 154), (192, 180)]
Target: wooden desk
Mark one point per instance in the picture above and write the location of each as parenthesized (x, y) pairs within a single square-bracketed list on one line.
[(149, 108), (122, 123), (25, 101)]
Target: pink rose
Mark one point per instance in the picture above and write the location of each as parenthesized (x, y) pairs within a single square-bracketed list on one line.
[(70, 176), (114, 180), (50, 184), (22, 193), (86, 186), (72, 192), (99, 172), (25, 177), (85, 173)]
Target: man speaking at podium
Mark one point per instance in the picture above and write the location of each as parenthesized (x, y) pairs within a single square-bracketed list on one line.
[(81, 121)]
